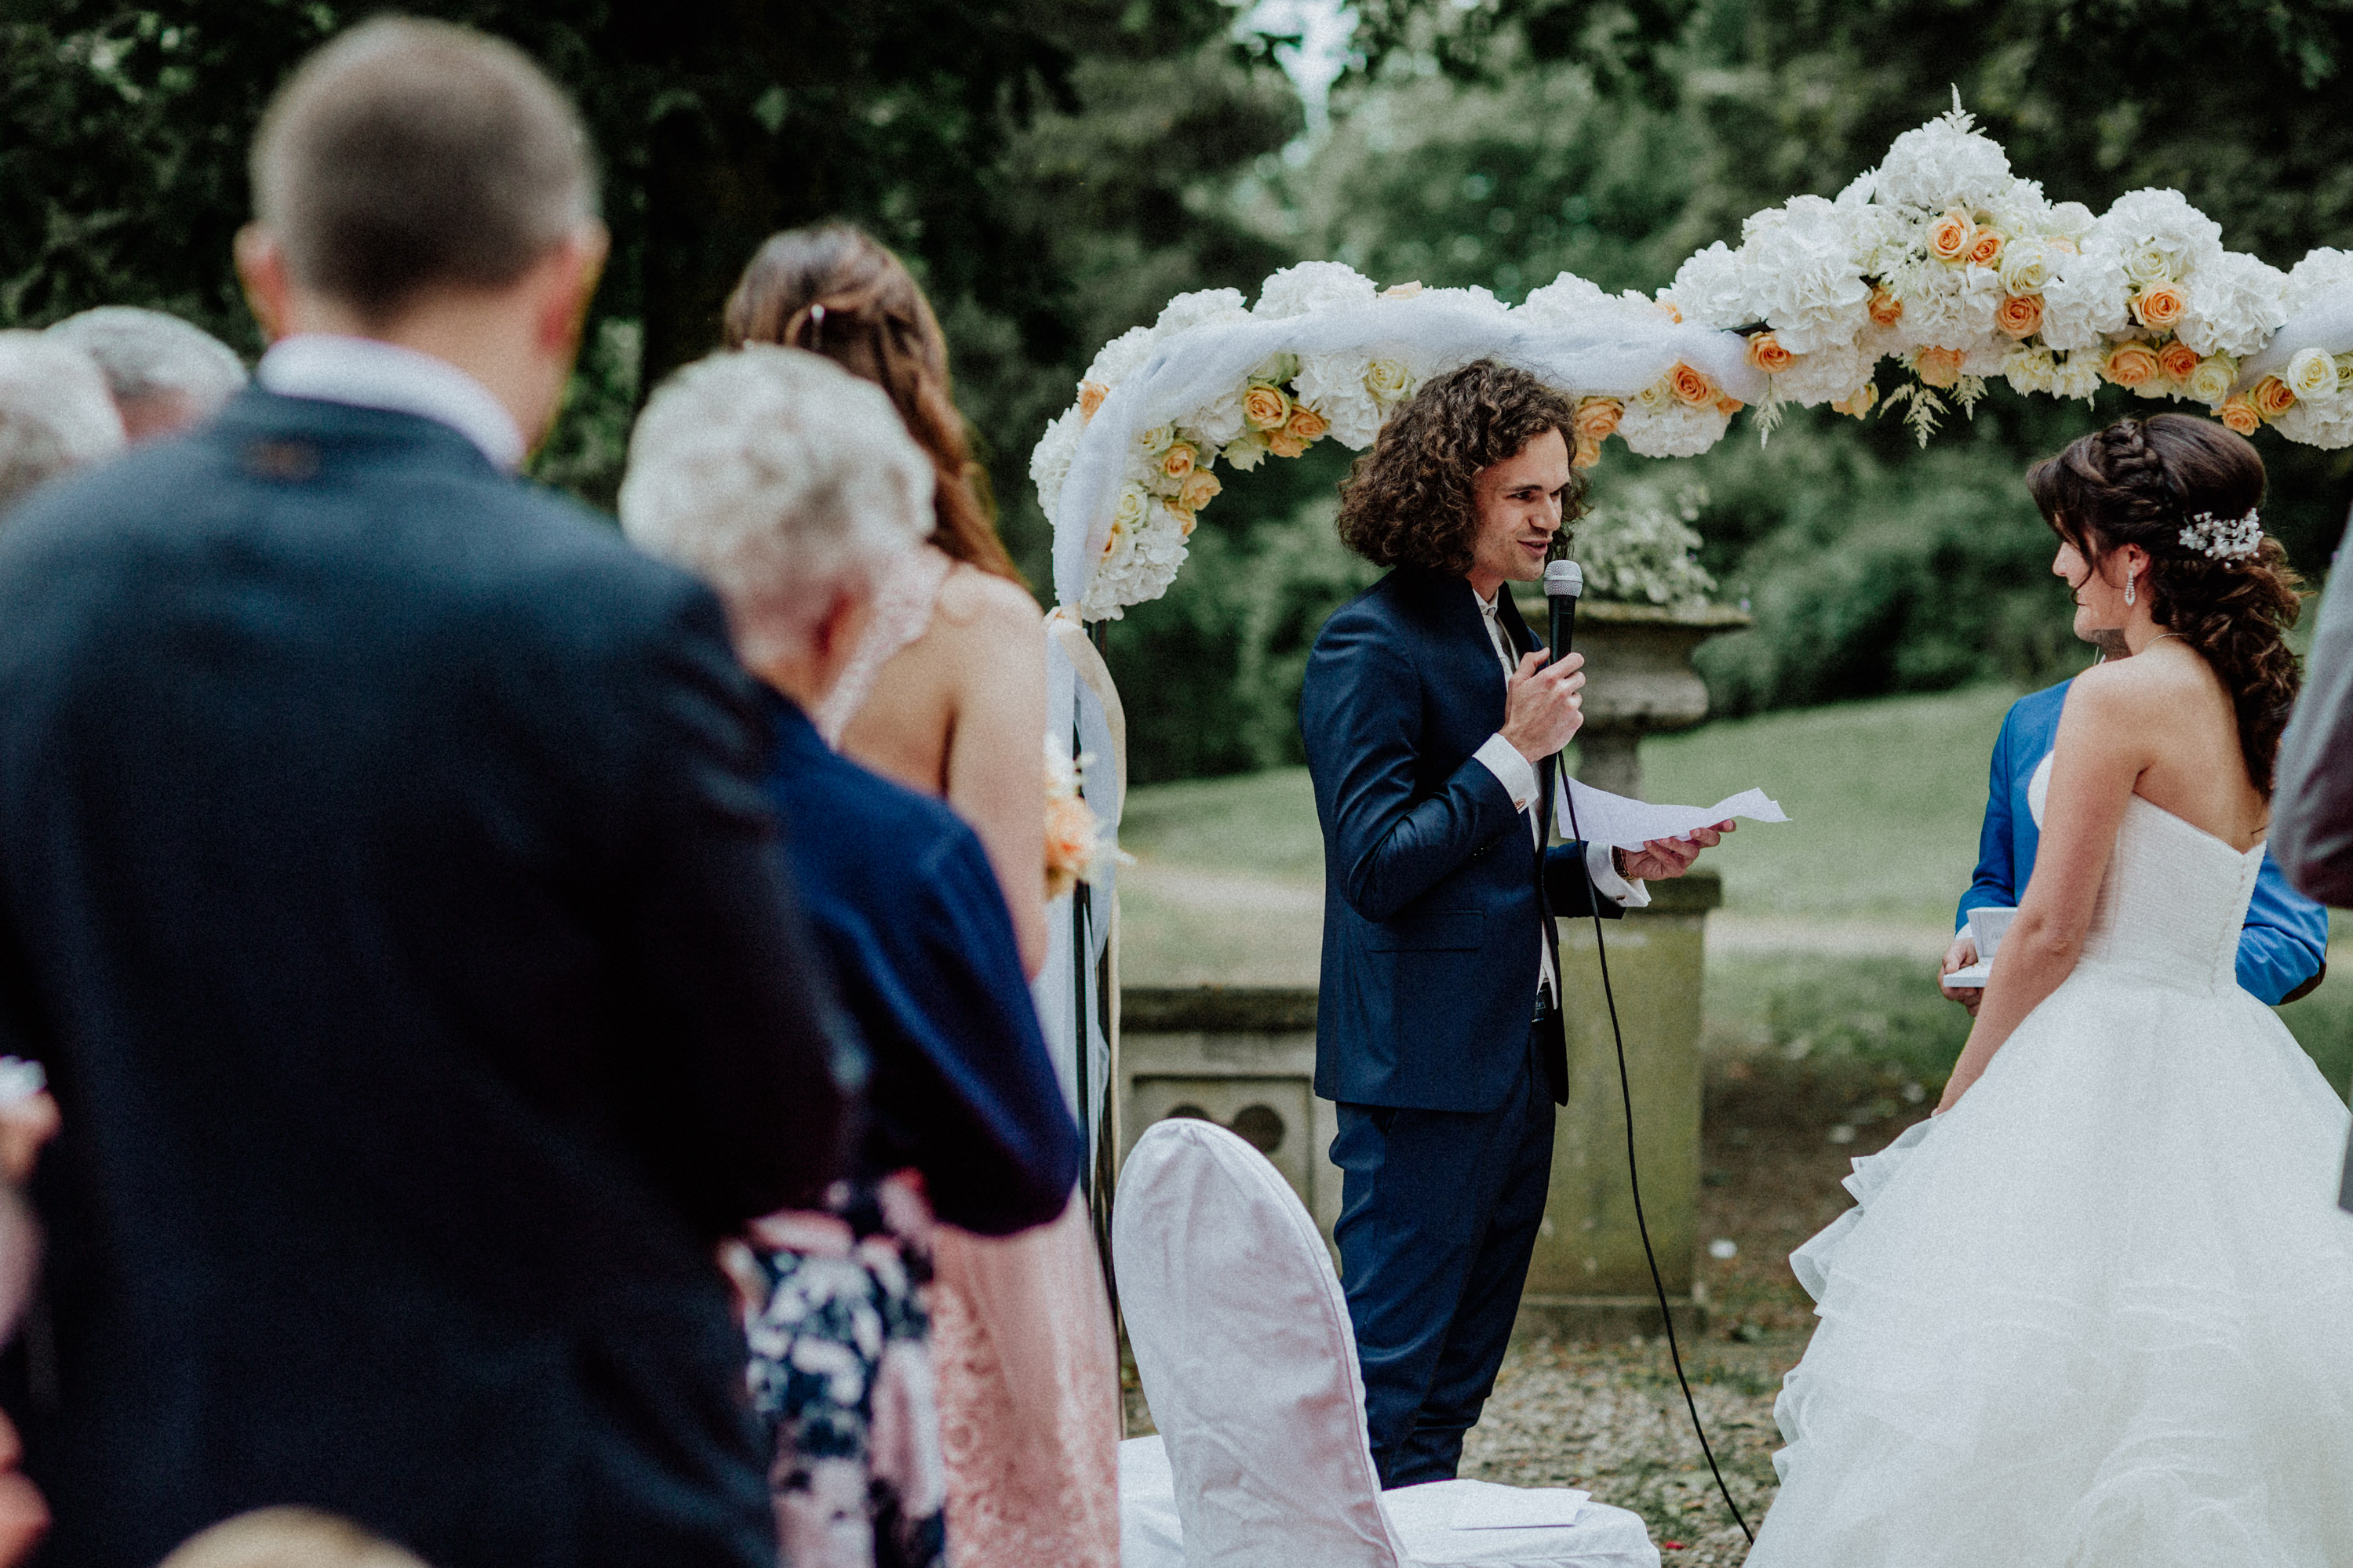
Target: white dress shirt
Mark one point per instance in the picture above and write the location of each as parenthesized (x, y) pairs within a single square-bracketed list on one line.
[(368, 374), (1518, 777)]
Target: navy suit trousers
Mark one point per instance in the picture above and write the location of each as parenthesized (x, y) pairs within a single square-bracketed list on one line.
[(1438, 1211)]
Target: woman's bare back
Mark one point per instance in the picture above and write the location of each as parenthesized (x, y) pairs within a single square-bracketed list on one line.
[(2194, 768)]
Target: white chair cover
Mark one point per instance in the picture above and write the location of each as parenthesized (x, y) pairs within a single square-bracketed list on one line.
[(1242, 1341)]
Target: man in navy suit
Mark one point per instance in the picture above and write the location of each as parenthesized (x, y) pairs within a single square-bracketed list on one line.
[(1427, 712), (2283, 948), (389, 889)]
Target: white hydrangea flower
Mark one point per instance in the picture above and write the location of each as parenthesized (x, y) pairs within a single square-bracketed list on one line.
[(1192, 309), (2077, 375), (1477, 297), (2328, 425), (2028, 370), (2325, 273), (2236, 301), (2068, 220), (1049, 461), (1825, 375), (1121, 357), (1567, 299), (1333, 385), (1799, 275), (2020, 210), (1314, 286), (1941, 165), (1676, 429), (1985, 358), (1947, 306), (2086, 301), (1883, 240), (1858, 192), (1709, 289), (2150, 225)]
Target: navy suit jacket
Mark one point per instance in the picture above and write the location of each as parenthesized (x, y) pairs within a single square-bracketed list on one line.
[(2285, 939), (905, 904), (1435, 898), (387, 881)]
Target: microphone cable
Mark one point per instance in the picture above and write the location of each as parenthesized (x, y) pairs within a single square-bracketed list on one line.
[(1626, 1096)]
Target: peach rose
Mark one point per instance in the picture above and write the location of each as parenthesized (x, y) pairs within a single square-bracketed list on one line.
[(1201, 487), (2020, 315), (1070, 835), (1729, 406), (2131, 364), (2240, 415), (1182, 515), (1938, 367), (1265, 407), (1672, 312), (1597, 419), (1588, 453), (1091, 397), (1864, 400), (1284, 444), (1986, 248), (1950, 236), (1887, 310), (2272, 397), (2159, 305), (1766, 352), (1691, 386), (1305, 424), (1178, 462), (2177, 360)]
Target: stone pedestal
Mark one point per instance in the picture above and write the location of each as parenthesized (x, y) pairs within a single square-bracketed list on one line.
[(1638, 679), (1588, 1278)]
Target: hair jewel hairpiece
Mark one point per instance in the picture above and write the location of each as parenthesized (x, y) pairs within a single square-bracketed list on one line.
[(2219, 539)]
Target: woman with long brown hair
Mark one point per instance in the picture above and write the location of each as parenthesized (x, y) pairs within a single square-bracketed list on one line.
[(946, 694), (2092, 1312)]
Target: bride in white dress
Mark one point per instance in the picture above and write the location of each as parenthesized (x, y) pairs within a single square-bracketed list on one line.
[(2098, 1313)]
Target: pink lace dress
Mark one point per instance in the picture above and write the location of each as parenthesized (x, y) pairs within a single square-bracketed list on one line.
[(1021, 1337)]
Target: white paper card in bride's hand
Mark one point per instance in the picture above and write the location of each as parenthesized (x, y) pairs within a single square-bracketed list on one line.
[(1606, 818)]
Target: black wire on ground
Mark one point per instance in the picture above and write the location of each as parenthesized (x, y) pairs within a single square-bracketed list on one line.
[(1634, 1181)]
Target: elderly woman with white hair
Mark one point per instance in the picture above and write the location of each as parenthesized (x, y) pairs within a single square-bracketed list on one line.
[(54, 415), (790, 486), (165, 374)]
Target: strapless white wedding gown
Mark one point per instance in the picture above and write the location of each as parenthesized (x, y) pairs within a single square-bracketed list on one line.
[(2100, 1314)]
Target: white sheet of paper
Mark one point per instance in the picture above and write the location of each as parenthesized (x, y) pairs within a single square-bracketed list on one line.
[(1492, 1507), (1606, 818)]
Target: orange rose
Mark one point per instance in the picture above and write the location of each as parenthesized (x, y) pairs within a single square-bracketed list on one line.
[(1597, 419), (1588, 453), (1690, 386), (2272, 397), (1201, 487), (1950, 236), (1766, 352), (1178, 462), (2159, 305), (2240, 415), (1181, 515), (1887, 310), (1938, 367), (1284, 444), (1729, 406), (1265, 407), (2178, 360), (1673, 311), (1986, 247), (2131, 364), (1861, 404), (2021, 315), (1305, 424)]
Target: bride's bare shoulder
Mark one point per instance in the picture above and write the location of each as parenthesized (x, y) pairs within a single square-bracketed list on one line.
[(988, 607)]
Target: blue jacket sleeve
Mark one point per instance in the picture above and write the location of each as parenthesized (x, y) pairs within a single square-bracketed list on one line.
[(1360, 714), (1995, 886), (2285, 939), (1569, 885)]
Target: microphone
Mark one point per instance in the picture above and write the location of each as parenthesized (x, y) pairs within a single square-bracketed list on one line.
[(1563, 585)]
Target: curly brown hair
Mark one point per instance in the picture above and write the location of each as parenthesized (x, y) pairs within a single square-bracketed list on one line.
[(1409, 501), (835, 290), (2140, 481)]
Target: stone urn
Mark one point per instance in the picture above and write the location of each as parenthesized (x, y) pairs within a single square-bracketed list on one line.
[(1588, 1278), (1638, 679)]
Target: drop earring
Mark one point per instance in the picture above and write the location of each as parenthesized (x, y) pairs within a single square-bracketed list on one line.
[(2132, 595)]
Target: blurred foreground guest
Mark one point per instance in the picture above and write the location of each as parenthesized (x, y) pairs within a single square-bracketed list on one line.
[(288, 1538), (165, 374), (391, 894), (54, 415), (946, 694), (791, 486), (2312, 807)]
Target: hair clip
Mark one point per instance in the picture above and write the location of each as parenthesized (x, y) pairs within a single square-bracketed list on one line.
[(2220, 539)]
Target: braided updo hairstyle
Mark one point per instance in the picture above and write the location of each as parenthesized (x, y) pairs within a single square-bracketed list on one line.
[(2140, 481), (835, 290)]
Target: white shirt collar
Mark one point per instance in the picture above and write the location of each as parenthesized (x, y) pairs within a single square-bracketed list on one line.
[(368, 374)]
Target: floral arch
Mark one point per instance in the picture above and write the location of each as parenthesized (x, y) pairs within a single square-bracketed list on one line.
[(1940, 259)]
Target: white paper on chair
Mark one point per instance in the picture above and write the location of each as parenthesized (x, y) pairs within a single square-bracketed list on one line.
[(1606, 818), (1486, 1506)]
